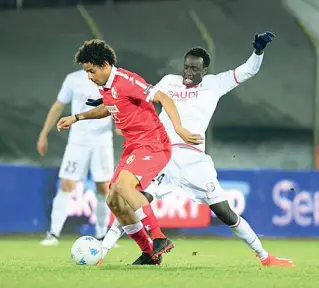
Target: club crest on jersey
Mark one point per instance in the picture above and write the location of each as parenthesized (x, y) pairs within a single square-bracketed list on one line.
[(210, 187), (114, 92), (130, 159)]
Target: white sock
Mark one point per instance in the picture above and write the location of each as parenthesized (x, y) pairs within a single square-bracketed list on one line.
[(140, 215), (133, 228), (102, 216), (112, 236), (59, 211), (116, 231), (243, 231)]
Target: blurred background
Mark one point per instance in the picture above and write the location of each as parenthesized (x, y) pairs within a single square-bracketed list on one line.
[(263, 137)]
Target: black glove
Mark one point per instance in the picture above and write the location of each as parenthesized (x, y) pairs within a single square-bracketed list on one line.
[(261, 40), (94, 102)]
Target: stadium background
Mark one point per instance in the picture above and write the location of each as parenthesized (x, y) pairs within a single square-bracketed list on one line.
[(263, 137)]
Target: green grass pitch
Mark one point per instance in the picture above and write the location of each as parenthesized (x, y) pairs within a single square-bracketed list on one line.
[(195, 263)]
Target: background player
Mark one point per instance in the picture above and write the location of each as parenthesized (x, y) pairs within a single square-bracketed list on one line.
[(196, 96), (127, 99), (90, 147)]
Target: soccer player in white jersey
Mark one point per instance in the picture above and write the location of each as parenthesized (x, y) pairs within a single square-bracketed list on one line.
[(196, 95), (89, 147)]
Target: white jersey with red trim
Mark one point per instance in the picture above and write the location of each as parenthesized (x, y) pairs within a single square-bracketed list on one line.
[(196, 105), (76, 89)]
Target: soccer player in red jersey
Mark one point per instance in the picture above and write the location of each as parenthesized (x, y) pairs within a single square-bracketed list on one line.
[(127, 98)]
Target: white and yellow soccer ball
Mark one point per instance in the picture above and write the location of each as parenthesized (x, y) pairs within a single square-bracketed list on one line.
[(86, 251)]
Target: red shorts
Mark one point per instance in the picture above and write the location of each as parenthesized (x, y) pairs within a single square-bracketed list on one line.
[(144, 163)]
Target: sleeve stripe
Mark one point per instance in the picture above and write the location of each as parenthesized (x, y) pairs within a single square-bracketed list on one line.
[(151, 94), (139, 83), (236, 80)]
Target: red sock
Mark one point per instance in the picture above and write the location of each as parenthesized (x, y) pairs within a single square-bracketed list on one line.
[(142, 239), (151, 224)]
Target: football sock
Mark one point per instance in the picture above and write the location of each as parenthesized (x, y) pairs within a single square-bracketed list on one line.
[(112, 236), (150, 222), (243, 231), (59, 212), (139, 235), (102, 216)]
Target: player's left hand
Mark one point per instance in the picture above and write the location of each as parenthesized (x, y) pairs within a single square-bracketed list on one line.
[(94, 102), (261, 40), (65, 122), (188, 137)]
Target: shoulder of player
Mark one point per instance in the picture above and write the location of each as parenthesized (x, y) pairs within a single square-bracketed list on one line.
[(125, 74), (79, 74), (75, 77), (170, 78), (209, 79)]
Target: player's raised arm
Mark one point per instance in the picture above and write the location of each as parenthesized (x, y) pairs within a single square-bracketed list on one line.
[(171, 110), (96, 113), (230, 79)]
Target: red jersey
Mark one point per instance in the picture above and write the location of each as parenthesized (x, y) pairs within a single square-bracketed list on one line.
[(128, 98)]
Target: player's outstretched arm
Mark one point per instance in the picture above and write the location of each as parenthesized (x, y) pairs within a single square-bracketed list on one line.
[(252, 65), (232, 78), (96, 113), (171, 110)]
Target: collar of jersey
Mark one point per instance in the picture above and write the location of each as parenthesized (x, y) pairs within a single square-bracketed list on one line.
[(109, 82)]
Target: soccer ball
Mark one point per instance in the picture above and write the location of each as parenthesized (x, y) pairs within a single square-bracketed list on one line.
[(86, 251)]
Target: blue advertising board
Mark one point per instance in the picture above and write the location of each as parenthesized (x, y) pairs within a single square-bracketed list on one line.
[(276, 203)]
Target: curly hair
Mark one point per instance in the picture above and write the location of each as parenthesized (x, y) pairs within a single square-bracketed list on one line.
[(199, 52), (96, 52)]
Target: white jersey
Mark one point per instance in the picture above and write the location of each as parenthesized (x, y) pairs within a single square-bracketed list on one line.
[(196, 105), (77, 88)]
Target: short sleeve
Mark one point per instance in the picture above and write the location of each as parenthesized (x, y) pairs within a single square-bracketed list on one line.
[(65, 93)]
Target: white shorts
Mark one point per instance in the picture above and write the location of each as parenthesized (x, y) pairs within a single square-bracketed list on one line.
[(78, 160), (192, 171)]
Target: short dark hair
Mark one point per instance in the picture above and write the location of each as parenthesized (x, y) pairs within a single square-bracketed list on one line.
[(199, 52), (96, 52)]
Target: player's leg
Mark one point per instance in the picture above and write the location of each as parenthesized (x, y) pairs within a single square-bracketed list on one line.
[(126, 186), (200, 182), (59, 212), (242, 230), (74, 166), (116, 231), (102, 167), (130, 224), (102, 211)]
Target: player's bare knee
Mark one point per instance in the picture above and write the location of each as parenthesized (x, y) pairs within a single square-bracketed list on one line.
[(110, 199), (116, 202), (67, 185)]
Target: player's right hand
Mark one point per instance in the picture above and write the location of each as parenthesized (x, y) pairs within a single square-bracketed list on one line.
[(65, 122), (42, 145), (190, 138)]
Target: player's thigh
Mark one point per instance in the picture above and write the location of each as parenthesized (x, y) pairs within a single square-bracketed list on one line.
[(102, 164), (199, 181), (75, 162)]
